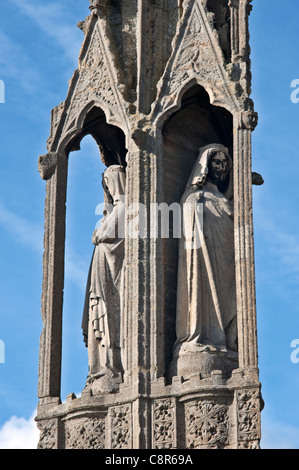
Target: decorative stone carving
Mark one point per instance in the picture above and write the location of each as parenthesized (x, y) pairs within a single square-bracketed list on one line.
[(221, 18), (120, 427), (48, 434), (196, 56), (206, 425), (98, 81), (249, 120), (248, 409), (47, 164), (98, 6), (94, 76), (164, 424), (88, 433), (101, 322)]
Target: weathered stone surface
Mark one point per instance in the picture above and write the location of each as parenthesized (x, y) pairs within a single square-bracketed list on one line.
[(48, 434), (85, 433), (206, 425), (156, 82), (164, 424)]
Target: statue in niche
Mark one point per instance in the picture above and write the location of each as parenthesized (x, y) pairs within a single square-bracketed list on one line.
[(206, 296), (101, 322)]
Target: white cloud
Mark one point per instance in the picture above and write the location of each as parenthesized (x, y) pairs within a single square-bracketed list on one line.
[(19, 433)]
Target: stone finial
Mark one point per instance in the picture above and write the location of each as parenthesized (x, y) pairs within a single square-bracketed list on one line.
[(98, 6), (82, 25)]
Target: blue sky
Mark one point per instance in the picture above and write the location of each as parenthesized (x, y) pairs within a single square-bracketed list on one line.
[(39, 51)]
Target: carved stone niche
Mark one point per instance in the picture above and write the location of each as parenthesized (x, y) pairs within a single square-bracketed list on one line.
[(196, 124), (53, 168)]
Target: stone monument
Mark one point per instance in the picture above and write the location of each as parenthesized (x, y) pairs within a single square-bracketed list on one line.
[(170, 314)]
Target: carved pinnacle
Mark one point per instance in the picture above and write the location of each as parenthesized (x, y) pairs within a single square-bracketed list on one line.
[(98, 6)]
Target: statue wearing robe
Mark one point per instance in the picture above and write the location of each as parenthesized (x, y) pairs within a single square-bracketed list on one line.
[(206, 292), (101, 322)]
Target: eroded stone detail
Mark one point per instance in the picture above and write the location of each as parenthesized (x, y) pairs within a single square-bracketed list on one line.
[(206, 425), (48, 434), (248, 408), (87, 433), (120, 425), (94, 82), (47, 165), (97, 81), (164, 423), (221, 19), (196, 55), (56, 116)]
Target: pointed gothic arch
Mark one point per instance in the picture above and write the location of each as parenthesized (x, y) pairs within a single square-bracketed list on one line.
[(110, 138)]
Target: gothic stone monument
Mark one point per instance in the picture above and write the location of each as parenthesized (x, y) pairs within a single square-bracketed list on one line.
[(169, 320)]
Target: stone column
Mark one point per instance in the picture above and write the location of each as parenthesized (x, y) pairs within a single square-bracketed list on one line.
[(143, 306), (53, 168), (244, 244), (137, 281), (157, 293)]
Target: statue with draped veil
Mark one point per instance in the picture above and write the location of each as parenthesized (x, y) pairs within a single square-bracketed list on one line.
[(101, 321), (206, 296)]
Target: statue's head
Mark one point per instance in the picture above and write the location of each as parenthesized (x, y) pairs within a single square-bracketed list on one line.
[(114, 183), (213, 164), (218, 166)]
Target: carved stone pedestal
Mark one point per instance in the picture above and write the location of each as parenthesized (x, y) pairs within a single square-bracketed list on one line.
[(194, 413), (203, 364)]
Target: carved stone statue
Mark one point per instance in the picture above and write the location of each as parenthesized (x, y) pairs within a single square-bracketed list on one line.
[(206, 297), (101, 322)]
